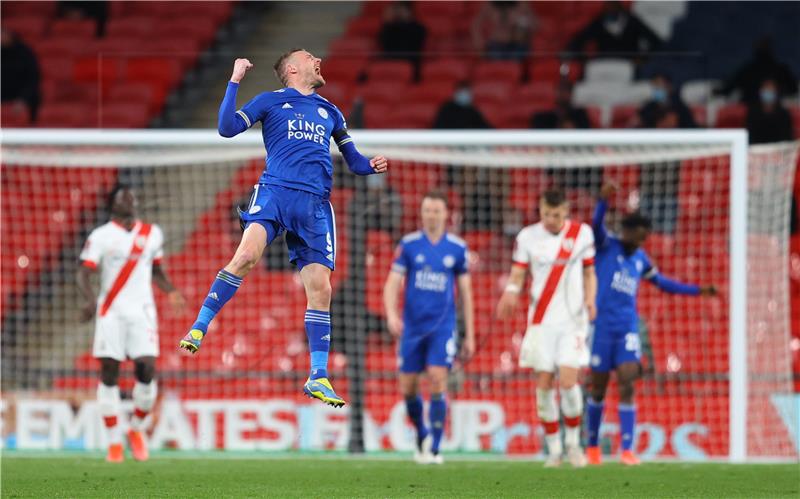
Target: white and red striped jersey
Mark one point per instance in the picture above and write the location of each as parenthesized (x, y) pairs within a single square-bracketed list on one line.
[(556, 263), (125, 260)]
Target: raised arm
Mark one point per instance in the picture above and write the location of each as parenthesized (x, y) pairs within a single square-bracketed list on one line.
[(229, 121), (598, 220)]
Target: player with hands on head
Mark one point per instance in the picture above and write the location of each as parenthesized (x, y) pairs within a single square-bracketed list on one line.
[(431, 263), (127, 254), (292, 196), (621, 264), (559, 255)]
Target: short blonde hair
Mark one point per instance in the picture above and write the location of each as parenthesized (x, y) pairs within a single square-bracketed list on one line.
[(280, 65)]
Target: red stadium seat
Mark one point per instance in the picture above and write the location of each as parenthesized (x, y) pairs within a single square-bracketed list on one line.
[(363, 27), (351, 47), (195, 28), (157, 70), (73, 28), (96, 70), (19, 9), (129, 27), (430, 93), (65, 115), (124, 115), (492, 92), (623, 116), (344, 70), (794, 110), (497, 71), (731, 116), (377, 115), (29, 28), (394, 72), (388, 93), (14, 116), (413, 116), (139, 93), (445, 70), (537, 95)]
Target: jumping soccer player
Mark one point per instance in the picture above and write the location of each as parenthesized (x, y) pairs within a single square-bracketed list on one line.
[(127, 252), (559, 254), (292, 196), (621, 265), (431, 261)]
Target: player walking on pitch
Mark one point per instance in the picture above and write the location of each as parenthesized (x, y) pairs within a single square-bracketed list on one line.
[(127, 252), (431, 261), (621, 265), (292, 195), (559, 254)]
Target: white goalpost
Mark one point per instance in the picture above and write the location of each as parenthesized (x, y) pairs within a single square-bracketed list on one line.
[(718, 374)]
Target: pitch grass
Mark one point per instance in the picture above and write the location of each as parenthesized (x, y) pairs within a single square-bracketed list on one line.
[(307, 477)]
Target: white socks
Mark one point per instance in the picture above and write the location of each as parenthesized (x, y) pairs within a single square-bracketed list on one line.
[(108, 405), (547, 409), (144, 396), (572, 408)]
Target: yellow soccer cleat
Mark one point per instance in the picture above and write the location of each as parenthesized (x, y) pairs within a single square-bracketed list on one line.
[(192, 340), (321, 389)]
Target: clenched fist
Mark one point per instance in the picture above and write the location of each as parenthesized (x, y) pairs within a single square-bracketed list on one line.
[(240, 67)]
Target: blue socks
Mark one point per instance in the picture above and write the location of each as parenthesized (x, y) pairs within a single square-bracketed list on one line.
[(438, 411), (318, 331), (594, 416), (414, 410), (627, 424), (222, 290)]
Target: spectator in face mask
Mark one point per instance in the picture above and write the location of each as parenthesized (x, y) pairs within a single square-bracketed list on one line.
[(616, 32), (665, 109), (763, 65), (768, 120), (459, 111)]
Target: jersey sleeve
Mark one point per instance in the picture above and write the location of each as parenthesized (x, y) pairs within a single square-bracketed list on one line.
[(586, 246), (158, 255), (400, 263), (339, 123), (92, 252), (257, 108), (521, 257), (649, 271), (462, 264)]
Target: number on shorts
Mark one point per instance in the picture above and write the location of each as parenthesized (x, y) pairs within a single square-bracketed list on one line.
[(632, 342)]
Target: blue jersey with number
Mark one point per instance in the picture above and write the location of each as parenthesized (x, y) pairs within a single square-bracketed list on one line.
[(431, 271), (297, 131), (618, 278)]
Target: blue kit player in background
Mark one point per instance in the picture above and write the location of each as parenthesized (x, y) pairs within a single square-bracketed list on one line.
[(431, 261), (291, 196), (621, 264)]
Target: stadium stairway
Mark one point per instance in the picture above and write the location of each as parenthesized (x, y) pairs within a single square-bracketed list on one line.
[(310, 25)]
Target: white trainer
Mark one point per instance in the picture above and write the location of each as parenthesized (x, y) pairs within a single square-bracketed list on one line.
[(422, 453), (552, 461), (576, 457), (437, 459)]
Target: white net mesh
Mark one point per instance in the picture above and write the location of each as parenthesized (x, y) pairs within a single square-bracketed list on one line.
[(242, 391)]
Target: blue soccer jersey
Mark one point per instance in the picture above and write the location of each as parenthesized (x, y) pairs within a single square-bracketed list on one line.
[(297, 130), (429, 312), (430, 271), (616, 339)]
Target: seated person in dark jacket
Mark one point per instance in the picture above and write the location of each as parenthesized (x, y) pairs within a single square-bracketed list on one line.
[(19, 80), (564, 115), (617, 32), (401, 36), (665, 109), (459, 111), (763, 65), (768, 120)]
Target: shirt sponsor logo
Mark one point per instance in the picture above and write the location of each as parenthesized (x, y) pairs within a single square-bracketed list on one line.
[(427, 280), (301, 129), (624, 282)]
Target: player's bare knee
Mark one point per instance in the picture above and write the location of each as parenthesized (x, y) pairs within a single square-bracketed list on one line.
[(319, 293), (566, 384), (109, 372), (626, 391), (144, 369), (244, 260)]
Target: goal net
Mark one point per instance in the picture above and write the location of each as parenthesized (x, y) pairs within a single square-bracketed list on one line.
[(717, 380)]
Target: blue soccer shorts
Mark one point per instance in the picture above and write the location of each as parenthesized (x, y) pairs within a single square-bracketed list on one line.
[(419, 350), (610, 349), (307, 219)]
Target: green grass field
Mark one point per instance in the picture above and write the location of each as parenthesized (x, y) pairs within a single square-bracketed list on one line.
[(325, 476)]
